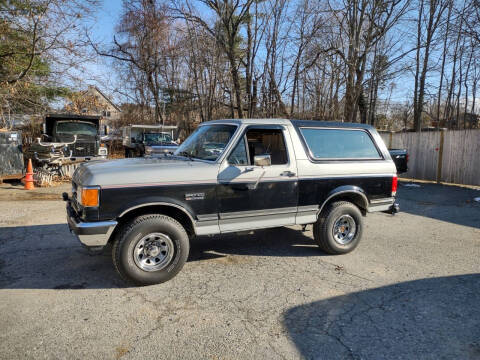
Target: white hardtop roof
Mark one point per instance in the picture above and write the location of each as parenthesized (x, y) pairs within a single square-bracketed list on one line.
[(250, 121)]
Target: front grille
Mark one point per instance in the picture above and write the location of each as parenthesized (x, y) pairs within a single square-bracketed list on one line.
[(83, 149)]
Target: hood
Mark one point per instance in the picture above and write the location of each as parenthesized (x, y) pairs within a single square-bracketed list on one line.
[(144, 171)]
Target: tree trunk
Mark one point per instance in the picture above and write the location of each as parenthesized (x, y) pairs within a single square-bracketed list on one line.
[(236, 83), (444, 56)]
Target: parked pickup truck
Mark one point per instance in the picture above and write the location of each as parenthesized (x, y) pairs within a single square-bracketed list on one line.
[(145, 140), (232, 176), (400, 158)]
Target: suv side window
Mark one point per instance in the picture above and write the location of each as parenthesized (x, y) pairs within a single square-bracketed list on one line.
[(260, 142), (239, 155), (339, 144), (267, 142)]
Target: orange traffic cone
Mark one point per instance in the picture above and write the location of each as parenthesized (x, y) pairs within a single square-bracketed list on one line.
[(29, 176)]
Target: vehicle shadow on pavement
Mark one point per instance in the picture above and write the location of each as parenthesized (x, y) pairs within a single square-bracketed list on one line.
[(49, 257), (428, 318), (267, 242), (441, 202)]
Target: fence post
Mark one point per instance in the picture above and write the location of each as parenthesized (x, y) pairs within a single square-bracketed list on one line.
[(440, 156)]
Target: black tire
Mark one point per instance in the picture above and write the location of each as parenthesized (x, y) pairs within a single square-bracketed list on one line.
[(132, 233), (323, 229)]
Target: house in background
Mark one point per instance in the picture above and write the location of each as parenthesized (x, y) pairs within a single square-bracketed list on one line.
[(94, 102)]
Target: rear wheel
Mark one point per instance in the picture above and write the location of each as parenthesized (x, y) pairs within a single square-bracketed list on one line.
[(339, 228), (151, 249)]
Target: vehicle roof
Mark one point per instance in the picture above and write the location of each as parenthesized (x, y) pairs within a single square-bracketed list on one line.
[(298, 123), (156, 132), (160, 127), (332, 124), (249, 121), (72, 117)]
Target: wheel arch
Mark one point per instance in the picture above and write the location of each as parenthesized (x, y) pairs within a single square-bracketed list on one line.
[(177, 212), (353, 194)]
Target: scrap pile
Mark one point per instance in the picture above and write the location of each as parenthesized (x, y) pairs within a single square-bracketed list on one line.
[(51, 162)]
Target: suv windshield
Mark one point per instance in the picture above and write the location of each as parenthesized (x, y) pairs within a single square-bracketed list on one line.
[(158, 138), (207, 142), (76, 128)]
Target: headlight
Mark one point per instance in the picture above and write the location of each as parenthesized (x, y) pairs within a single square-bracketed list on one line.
[(148, 150), (88, 196)]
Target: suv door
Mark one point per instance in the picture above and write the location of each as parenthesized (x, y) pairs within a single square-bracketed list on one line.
[(251, 196)]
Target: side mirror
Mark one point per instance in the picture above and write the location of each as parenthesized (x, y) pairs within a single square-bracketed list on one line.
[(262, 160)]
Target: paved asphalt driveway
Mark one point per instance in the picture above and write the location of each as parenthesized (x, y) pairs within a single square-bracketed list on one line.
[(411, 290)]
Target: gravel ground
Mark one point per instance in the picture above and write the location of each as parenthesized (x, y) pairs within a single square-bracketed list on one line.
[(410, 290)]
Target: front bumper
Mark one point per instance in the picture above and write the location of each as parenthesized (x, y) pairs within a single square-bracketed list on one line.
[(74, 158), (91, 234)]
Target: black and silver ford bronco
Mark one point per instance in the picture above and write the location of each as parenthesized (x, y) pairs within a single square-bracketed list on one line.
[(232, 176)]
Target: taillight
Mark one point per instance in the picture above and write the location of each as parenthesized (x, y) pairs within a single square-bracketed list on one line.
[(406, 158), (394, 185)]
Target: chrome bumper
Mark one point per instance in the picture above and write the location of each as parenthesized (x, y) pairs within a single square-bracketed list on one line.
[(87, 158), (387, 205), (90, 234)]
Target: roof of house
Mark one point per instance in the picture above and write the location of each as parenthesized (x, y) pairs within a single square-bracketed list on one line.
[(106, 98)]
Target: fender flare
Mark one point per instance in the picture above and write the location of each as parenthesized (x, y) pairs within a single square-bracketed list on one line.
[(159, 203), (343, 190)]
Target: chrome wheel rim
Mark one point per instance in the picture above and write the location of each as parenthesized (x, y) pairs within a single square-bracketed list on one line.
[(344, 229), (153, 252)]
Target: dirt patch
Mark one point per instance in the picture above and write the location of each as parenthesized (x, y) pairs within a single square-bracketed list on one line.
[(26, 196), (17, 193), (121, 351), (231, 260)]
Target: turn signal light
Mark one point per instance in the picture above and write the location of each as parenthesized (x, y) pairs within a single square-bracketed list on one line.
[(394, 185), (90, 197)]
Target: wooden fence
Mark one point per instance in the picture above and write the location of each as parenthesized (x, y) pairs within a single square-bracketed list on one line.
[(447, 155)]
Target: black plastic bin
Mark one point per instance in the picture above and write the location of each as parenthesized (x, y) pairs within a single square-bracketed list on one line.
[(11, 155)]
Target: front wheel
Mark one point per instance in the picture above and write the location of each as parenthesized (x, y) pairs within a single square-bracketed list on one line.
[(339, 228), (151, 249)]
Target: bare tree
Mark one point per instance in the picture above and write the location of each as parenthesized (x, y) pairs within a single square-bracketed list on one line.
[(197, 60), (429, 18), (144, 46), (41, 46), (364, 23)]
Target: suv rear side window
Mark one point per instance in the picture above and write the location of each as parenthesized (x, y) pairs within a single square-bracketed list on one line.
[(339, 144)]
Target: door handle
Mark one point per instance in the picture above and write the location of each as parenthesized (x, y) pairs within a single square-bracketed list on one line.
[(248, 169), (287, 173)]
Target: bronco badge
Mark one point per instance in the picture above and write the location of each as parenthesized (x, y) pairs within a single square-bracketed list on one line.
[(195, 196)]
